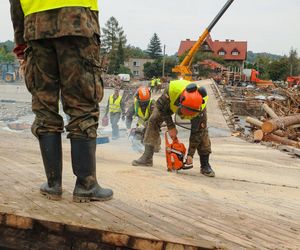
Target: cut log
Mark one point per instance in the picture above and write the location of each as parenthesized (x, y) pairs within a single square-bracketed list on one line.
[(254, 121), (258, 135), (259, 124), (280, 123), (270, 111), (281, 140)]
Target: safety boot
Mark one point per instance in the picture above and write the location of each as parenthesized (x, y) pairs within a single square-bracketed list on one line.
[(205, 166), (51, 150), (83, 152), (146, 160)]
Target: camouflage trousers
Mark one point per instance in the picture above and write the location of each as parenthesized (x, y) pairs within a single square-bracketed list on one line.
[(199, 138), (65, 69)]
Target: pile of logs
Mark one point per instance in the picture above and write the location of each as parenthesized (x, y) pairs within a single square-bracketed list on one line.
[(283, 130)]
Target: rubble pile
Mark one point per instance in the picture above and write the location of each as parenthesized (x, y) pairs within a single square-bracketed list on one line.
[(272, 114), (111, 81)]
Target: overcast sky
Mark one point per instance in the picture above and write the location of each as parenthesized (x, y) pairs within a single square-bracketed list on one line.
[(268, 25)]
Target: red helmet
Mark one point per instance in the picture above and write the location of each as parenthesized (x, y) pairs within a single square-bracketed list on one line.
[(191, 101), (143, 94)]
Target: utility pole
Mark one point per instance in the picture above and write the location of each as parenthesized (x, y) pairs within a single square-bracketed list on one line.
[(164, 61)]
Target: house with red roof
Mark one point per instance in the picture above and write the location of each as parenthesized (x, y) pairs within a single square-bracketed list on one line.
[(229, 50)]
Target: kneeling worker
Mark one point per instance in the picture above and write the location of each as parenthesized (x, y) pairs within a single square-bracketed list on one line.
[(188, 101), (142, 107)]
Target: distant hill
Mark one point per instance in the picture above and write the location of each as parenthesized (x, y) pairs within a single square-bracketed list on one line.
[(251, 56)]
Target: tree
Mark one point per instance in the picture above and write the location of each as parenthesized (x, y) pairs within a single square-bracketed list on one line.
[(135, 52), (112, 34), (154, 47), (116, 59), (262, 63), (113, 42), (294, 63), (279, 70), (5, 55), (153, 69)]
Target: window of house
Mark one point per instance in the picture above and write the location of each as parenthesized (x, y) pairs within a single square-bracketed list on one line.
[(205, 46), (136, 64), (221, 53), (136, 73), (235, 53)]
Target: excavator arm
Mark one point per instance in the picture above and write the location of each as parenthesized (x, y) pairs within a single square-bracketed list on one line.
[(184, 69)]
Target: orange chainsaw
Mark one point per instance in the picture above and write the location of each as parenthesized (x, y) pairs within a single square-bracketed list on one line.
[(176, 155)]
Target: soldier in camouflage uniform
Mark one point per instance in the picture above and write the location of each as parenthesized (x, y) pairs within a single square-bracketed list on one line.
[(189, 102), (62, 60)]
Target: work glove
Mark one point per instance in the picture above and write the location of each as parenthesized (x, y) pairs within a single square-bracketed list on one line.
[(173, 133), (19, 51)]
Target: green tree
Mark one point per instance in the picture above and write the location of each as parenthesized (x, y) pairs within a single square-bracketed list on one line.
[(5, 55), (279, 69), (154, 47), (112, 33), (134, 52), (262, 64), (153, 69), (170, 63), (124, 70), (113, 43), (294, 63)]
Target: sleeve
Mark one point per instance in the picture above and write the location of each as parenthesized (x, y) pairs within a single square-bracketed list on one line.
[(123, 106), (17, 18), (129, 116), (163, 106), (107, 108)]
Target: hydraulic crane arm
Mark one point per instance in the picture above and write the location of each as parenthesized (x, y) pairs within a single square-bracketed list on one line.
[(184, 68)]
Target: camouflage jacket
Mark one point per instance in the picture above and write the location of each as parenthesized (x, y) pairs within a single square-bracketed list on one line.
[(68, 21), (163, 106)]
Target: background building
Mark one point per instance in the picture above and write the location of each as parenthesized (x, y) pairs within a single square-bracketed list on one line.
[(136, 66), (229, 50)]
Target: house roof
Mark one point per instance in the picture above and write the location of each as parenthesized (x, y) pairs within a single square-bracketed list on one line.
[(227, 46)]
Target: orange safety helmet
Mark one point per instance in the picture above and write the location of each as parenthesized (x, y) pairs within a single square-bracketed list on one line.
[(143, 94), (191, 100)]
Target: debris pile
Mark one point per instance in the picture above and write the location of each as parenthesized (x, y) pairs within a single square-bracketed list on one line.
[(280, 122), (111, 81), (272, 114)]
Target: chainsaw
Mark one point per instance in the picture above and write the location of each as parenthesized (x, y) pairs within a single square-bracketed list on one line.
[(176, 155)]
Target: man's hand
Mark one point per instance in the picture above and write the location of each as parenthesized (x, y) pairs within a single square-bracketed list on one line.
[(19, 51), (189, 160), (173, 133)]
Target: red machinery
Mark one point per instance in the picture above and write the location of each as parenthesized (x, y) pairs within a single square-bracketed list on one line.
[(259, 83), (293, 80)]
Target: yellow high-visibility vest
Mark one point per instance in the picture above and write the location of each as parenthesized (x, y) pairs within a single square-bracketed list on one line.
[(139, 113), (175, 89), (115, 106), (34, 6), (153, 81)]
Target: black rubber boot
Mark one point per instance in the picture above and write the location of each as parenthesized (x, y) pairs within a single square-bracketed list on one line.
[(205, 166), (146, 160), (87, 189), (51, 150)]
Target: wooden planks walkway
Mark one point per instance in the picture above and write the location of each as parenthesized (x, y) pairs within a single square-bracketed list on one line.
[(254, 201)]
